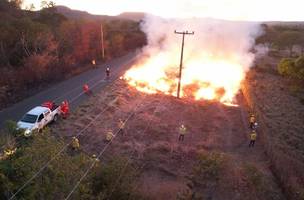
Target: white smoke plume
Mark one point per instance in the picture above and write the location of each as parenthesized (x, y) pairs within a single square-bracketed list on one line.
[(216, 57)]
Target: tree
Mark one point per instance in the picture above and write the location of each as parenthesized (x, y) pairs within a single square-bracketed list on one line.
[(47, 4), (288, 39), (30, 7), (268, 37), (16, 3)]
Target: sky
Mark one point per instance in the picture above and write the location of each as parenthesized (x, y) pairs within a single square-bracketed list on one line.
[(247, 10)]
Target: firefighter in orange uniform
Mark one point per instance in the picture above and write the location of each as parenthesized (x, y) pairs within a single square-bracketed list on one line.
[(64, 108), (86, 88)]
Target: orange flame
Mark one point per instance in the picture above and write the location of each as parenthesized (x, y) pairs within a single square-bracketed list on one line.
[(204, 77)]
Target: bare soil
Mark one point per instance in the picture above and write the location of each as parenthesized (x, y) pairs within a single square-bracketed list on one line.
[(166, 164)]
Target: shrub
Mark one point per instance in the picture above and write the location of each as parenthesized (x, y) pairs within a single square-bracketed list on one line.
[(293, 68), (115, 180), (299, 62), (286, 67), (253, 175), (10, 128), (208, 167), (299, 65)]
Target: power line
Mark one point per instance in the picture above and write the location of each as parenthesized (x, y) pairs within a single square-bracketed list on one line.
[(79, 95), (54, 157), (181, 60), (58, 153), (134, 150), (101, 153)]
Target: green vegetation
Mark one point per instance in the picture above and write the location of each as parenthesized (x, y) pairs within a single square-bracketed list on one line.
[(254, 176), (259, 182), (293, 68), (43, 46), (113, 180), (281, 37), (205, 175), (208, 167)]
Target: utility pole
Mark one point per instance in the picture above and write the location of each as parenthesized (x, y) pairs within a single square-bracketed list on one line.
[(102, 43), (181, 60)]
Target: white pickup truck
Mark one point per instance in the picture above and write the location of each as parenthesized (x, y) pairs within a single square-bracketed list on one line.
[(38, 118)]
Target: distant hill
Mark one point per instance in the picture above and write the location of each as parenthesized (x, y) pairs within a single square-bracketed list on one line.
[(135, 16), (77, 14)]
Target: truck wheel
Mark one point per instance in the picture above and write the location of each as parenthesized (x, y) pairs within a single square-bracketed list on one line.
[(55, 118)]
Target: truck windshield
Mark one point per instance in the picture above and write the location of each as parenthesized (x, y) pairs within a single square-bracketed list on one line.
[(29, 118)]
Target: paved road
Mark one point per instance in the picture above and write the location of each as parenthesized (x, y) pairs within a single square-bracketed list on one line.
[(70, 89)]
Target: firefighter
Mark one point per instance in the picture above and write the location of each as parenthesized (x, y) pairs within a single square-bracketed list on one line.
[(255, 126), (182, 132), (64, 108), (75, 144), (109, 136), (121, 126), (252, 121), (9, 152), (86, 88), (95, 158), (48, 104), (253, 136), (108, 72)]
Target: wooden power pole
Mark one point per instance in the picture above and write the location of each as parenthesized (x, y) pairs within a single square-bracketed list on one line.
[(181, 60), (102, 43)]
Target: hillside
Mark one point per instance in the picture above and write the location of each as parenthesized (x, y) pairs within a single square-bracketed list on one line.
[(77, 14), (135, 16), (213, 162)]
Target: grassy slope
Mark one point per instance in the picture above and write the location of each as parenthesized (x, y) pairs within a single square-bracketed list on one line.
[(281, 116), (214, 161)]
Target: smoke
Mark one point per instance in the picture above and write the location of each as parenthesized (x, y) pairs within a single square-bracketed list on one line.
[(213, 38), (217, 55)]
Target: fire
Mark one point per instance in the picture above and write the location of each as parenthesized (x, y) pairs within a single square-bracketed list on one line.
[(215, 58), (203, 77)]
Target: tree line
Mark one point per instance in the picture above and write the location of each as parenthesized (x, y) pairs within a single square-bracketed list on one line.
[(37, 47), (283, 37), (278, 38)]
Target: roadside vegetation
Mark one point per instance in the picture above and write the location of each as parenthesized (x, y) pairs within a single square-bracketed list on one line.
[(274, 90), (108, 180), (41, 47)]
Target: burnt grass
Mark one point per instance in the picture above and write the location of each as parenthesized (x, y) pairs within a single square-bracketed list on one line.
[(213, 162)]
